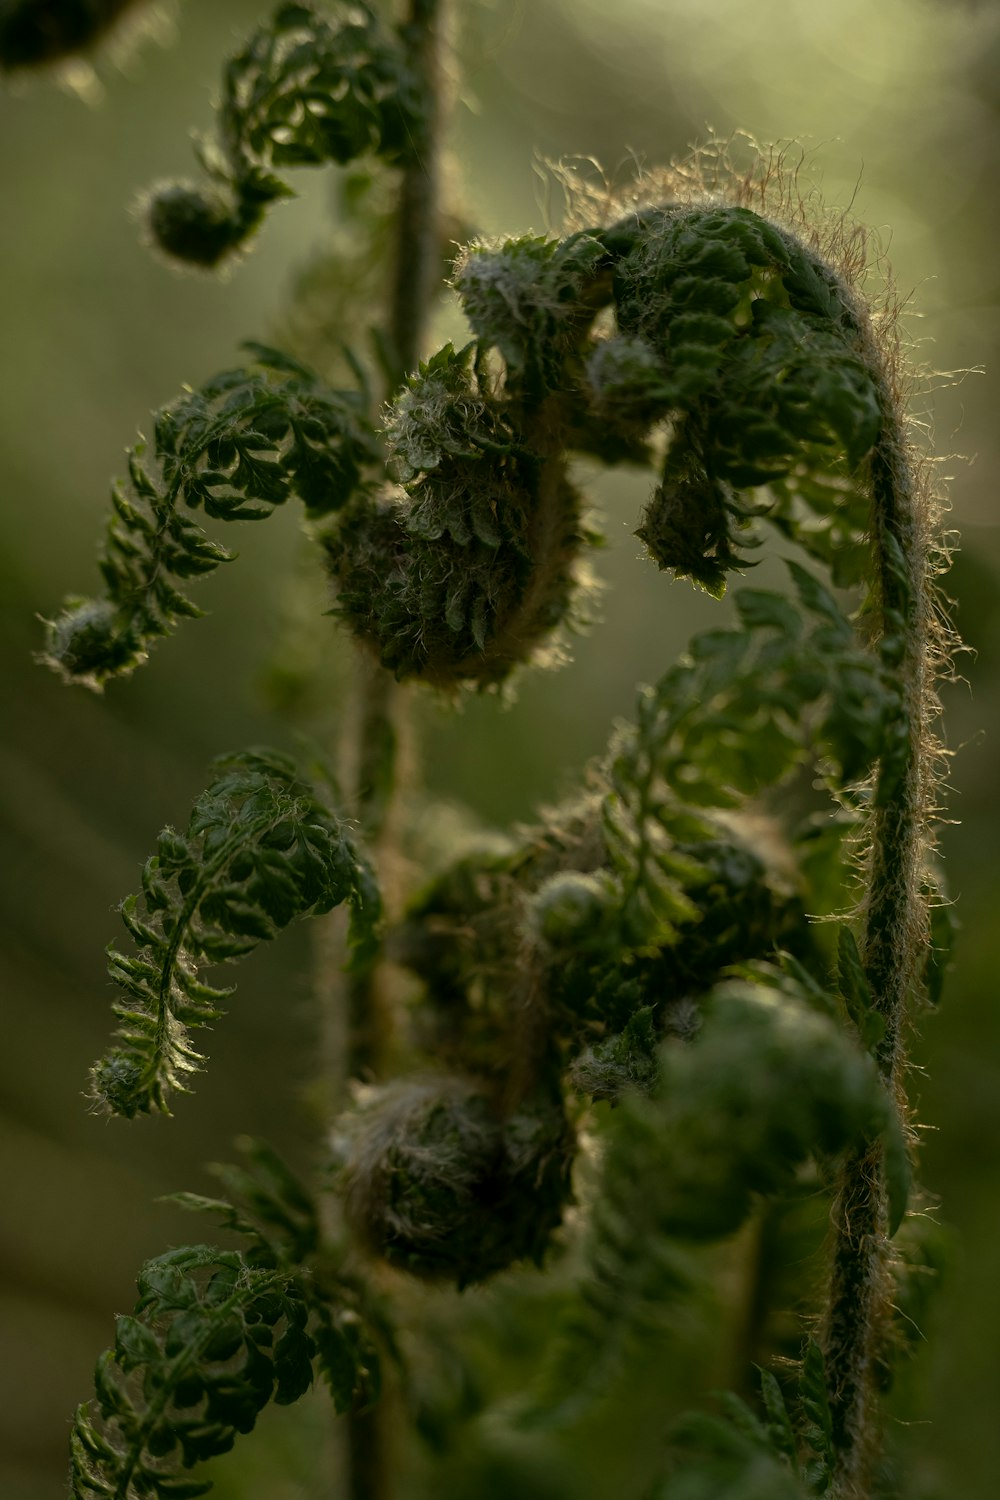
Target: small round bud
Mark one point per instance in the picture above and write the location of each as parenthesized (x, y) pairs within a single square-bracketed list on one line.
[(440, 1185), (86, 643), (193, 224), (576, 910), (687, 527), (116, 1084)]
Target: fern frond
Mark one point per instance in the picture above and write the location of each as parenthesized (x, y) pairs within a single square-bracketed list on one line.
[(817, 1419), (211, 1341), (732, 1456), (259, 850), (265, 1202), (245, 442), (217, 1334), (768, 1082), (313, 85), (786, 1451), (733, 718)]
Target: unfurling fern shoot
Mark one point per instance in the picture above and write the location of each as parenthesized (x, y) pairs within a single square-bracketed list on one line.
[(734, 981)]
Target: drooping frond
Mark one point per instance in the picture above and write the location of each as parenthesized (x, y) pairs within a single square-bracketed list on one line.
[(312, 85), (769, 1081), (732, 719), (211, 1342), (242, 444), (259, 850), (216, 1335)]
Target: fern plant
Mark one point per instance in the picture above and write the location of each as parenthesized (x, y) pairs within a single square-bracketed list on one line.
[(735, 978)]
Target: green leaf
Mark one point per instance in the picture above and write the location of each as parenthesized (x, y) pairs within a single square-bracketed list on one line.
[(192, 1335), (767, 1082), (712, 1457), (311, 86), (246, 442), (260, 850), (781, 1433), (856, 991), (815, 1406)]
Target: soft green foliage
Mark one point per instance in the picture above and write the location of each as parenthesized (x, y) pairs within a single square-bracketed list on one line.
[(208, 1352), (734, 718), (245, 442), (311, 86), (259, 850), (216, 1335), (780, 1455), (768, 1081), (652, 943)]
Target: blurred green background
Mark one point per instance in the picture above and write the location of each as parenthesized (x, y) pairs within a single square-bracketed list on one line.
[(897, 108)]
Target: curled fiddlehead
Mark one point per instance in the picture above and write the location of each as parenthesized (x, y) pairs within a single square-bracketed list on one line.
[(243, 443), (313, 85), (709, 334), (724, 326), (470, 567), (440, 1183), (211, 1342), (778, 401), (258, 851)]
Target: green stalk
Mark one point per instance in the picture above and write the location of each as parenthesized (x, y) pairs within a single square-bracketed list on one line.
[(893, 933), (414, 286), (378, 708)]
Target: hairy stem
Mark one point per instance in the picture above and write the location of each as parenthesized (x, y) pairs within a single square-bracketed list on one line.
[(417, 265), (378, 709), (415, 281), (894, 924)]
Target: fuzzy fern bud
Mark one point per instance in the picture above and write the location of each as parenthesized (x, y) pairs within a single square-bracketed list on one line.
[(89, 641), (687, 525), (440, 1185), (574, 910), (198, 225), (464, 574), (530, 298)]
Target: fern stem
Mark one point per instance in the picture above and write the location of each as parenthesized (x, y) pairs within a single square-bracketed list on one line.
[(417, 264), (893, 930), (414, 285), (416, 277)]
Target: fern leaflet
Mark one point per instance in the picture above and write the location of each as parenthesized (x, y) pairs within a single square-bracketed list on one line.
[(733, 718), (311, 86), (258, 851), (217, 1334), (212, 1340), (769, 1081), (245, 442)]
